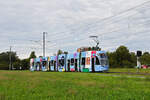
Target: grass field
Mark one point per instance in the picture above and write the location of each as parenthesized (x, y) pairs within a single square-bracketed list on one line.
[(26, 85), (130, 70)]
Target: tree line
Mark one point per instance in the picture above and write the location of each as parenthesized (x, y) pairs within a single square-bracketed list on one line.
[(16, 62), (120, 58), (123, 58)]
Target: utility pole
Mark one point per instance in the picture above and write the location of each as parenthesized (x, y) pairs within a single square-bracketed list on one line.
[(10, 63), (44, 43)]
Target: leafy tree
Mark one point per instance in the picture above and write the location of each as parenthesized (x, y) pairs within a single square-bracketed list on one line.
[(25, 64), (5, 58), (123, 56), (112, 59), (65, 52), (32, 55), (59, 52), (145, 58), (133, 59), (17, 64)]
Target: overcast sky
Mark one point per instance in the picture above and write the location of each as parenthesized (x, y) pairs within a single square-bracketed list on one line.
[(69, 23)]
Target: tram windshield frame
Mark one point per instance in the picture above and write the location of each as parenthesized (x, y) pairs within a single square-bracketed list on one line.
[(103, 59)]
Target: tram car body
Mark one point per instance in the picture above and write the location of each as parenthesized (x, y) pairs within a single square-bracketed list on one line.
[(53, 63), (103, 60), (87, 61), (62, 62), (38, 63), (44, 64), (93, 61), (72, 62)]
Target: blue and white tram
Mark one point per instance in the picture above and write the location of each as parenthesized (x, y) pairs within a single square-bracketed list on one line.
[(87, 61)]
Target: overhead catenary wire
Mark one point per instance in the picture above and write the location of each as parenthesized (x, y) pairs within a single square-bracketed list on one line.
[(116, 14), (84, 40), (72, 36), (68, 36), (108, 18)]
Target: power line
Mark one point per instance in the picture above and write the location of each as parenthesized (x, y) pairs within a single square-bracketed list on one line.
[(61, 37), (89, 33), (115, 15), (105, 19)]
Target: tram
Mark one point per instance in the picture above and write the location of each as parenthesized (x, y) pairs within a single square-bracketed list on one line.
[(86, 61)]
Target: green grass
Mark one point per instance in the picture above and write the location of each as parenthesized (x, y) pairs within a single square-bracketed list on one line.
[(130, 70), (26, 85)]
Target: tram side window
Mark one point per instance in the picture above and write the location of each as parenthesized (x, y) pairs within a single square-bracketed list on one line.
[(83, 61), (97, 61), (38, 63), (72, 61), (59, 62), (52, 63), (62, 62), (103, 55), (44, 63)]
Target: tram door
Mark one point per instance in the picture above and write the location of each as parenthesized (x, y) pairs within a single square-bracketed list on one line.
[(49, 65), (76, 64), (54, 65), (93, 63), (68, 65)]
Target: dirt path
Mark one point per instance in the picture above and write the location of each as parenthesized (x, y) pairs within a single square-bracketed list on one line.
[(122, 74)]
